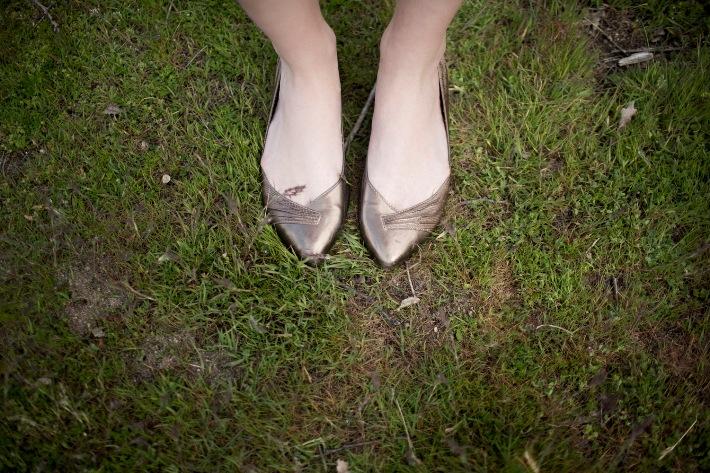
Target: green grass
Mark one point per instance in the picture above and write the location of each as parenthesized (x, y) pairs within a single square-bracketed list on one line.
[(564, 309)]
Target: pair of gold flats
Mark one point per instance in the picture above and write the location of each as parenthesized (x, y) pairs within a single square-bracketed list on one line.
[(390, 235)]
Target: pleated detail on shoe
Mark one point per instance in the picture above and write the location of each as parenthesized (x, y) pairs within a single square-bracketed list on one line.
[(282, 211), (423, 216)]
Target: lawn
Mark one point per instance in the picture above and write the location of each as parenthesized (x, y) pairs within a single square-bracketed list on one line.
[(153, 324)]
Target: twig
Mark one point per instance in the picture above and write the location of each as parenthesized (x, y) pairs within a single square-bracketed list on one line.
[(554, 326), (360, 119), (194, 57), (608, 38), (139, 294), (615, 281), (530, 462), (670, 449), (406, 432), (615, 58), (411, 286), (45, 10)]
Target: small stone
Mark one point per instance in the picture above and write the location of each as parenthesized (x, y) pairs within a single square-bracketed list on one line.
[(165, 179)]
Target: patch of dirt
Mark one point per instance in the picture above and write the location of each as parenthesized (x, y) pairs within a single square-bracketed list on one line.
[(386, 338), (681, 353), (555, 163), (612, 29), (162, 352), (426, 324), (92, 298), (12, 164), (391, 343), (564, 221), (503, 287), (617, 34), (679, 232), (180, 352)]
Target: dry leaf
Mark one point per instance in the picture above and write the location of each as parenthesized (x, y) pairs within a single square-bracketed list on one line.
[(407, 302), (165, 179), (636, 58), (341, 466), (112, 109), (626, 114), (668, 450)]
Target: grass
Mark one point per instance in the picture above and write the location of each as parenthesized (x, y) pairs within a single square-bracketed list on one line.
[(563, 314)]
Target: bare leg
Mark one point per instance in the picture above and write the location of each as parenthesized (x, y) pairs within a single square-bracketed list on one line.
[(303, 151), (407, 157)]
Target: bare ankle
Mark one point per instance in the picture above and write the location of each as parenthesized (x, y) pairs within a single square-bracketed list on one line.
[(400, 52), (317, 52)]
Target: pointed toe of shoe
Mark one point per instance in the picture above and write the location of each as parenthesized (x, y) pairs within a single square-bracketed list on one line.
[(309, 242), (392, 235), (309, 230), (391, 248)]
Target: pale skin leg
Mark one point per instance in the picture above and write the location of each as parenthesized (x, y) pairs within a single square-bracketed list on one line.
[(303, 153), (407, 156), (407, 153)]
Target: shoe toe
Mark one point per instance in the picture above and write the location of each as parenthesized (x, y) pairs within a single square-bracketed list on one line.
[(390, 247), (309, 242), (392, 235), (309, 230)]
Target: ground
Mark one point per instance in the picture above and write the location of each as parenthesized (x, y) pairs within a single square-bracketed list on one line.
[(158, 324)]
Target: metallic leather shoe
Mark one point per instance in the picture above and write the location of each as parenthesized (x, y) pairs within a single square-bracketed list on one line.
[(392, 235), (309, 230)]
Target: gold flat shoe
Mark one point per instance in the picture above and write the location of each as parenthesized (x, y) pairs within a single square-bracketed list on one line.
[(391, 235), (309, 230)]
